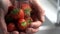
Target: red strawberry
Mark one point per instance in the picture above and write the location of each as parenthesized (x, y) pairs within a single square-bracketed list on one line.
[(25, 6), (21, 14), (10, 8), (10, 27), (28, 20), (16, 14), (22, 24), (27, 9)]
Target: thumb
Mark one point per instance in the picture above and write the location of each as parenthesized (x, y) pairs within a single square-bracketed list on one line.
[(2, 22)]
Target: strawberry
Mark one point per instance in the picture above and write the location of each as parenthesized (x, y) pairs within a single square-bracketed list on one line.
[(28, 20), (26, 8), (22, 24), (21, 14), (10, 27), (8, 15), (12, 11), (16, 14), (10, 8)]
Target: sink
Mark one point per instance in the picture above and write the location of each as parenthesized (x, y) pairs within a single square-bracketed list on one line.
[(52, 30), (48, 28)]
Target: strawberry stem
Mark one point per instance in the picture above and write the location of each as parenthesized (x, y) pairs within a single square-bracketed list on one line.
[(15, 11), (27, 11), (29, 21), (23, 24)]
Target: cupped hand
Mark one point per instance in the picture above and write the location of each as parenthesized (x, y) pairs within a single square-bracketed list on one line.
[(37, 15)]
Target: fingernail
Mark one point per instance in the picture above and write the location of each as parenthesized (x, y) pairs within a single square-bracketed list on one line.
[(22, 33), (34, 30), (32, 25), (15, 32), (29, 31)]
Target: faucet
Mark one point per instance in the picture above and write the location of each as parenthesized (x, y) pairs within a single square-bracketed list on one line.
[(58, 19), (58, 13)]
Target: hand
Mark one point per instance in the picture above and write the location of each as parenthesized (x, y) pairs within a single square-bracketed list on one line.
[(37, 15)]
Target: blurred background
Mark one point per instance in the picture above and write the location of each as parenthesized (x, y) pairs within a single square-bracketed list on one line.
[(52, 17)]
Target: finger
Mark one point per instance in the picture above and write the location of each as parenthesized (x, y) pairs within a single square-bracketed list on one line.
[(6, 4), (31, 30), (13, 2), (41, 18), (2, 22), (15, 32), (16, 3), (41, 15), (22, 33), (36, 24)]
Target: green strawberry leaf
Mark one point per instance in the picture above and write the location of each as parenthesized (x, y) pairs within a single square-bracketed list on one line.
[(29, 21), (27, 11), (15, 11), (24, 24)]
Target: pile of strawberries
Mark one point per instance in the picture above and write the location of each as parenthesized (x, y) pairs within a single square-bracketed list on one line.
[(18, 18)]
